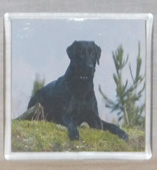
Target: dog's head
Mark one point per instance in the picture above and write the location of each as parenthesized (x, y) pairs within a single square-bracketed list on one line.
[(84, 55)]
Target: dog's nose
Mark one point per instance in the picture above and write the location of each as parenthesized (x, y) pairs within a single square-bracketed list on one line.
[(90, 66), (89, 69)]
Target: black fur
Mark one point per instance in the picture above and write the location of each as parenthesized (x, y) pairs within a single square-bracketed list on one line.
[(70, 100)]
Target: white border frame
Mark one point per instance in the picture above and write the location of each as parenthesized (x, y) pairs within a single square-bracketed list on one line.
[(9, 155)]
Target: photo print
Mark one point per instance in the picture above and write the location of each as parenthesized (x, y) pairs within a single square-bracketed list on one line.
[(78, 84)]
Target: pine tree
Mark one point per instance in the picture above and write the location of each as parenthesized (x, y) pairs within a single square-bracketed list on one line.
[(127, 96), (38, 84)]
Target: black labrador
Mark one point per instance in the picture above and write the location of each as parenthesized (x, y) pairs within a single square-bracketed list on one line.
[(70, 100)]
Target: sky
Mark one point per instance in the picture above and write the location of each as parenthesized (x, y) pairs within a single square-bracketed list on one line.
[(39, 47)]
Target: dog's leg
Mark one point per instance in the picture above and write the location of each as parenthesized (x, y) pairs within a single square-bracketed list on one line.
[(115, 130), (73, 131), (72, 127), (95, 122)]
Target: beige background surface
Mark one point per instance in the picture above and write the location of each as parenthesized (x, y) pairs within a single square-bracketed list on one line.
[(105, 6)]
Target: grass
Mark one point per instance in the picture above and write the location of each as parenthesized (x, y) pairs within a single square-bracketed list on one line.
[(35, 136)]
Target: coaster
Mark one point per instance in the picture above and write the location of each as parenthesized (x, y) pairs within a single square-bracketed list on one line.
[(77, 86)]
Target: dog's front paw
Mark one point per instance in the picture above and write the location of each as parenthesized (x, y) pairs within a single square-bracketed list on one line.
[(122, 134), (73, 132)]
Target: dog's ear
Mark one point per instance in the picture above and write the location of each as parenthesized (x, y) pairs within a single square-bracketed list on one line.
[(98, 53), (71, 49)]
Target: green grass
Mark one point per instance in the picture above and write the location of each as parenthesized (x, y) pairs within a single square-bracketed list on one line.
[(33, 136)]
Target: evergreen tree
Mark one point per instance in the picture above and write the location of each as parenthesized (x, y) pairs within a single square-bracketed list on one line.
[(38, 84), (127, 96)]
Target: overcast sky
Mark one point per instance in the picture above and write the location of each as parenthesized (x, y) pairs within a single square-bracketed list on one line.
[(39, 46)]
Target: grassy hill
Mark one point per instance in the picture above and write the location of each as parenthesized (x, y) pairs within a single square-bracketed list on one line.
[(42, 136)]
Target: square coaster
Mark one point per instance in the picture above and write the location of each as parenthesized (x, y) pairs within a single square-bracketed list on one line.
[(78, 86)]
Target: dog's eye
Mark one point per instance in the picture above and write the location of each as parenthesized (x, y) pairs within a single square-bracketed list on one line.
[(80, 52), (92, 53)]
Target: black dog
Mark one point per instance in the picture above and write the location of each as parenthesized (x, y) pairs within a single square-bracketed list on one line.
[(71, 100)]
